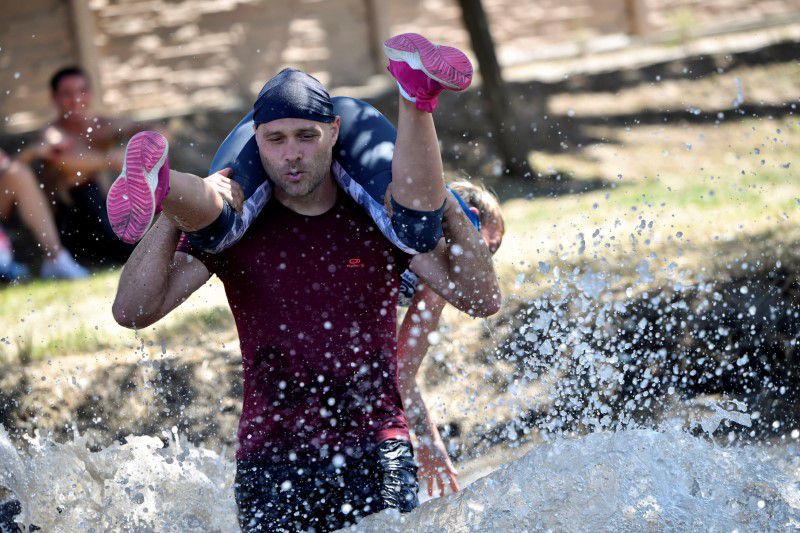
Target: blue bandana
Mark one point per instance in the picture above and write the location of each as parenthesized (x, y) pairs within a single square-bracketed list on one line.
[(293, 94)]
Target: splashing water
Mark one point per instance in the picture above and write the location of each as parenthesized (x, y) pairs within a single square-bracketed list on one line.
[(137, 486), (631, 480), (605, 360), (636, 480)]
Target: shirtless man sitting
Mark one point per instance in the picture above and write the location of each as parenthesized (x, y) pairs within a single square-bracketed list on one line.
[(84, 150)]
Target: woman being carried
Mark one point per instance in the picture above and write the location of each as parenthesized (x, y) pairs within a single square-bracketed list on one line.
[(422, 319), (369, 151)]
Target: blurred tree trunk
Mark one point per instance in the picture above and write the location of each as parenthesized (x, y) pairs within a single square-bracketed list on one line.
[(636, 14), (510, 143), (84, 33), (376, 15)]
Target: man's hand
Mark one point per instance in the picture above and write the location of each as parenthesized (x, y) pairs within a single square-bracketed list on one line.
[(54, 143), (229, 190), (435, 466)]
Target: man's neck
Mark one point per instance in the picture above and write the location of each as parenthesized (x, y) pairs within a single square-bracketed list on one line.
[(317, 202)]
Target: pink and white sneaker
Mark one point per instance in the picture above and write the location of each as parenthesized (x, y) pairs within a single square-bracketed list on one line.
[(135, 197), (423, 69)]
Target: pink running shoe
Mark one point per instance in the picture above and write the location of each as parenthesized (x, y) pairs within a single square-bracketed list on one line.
[(135, 197), (424, 69)]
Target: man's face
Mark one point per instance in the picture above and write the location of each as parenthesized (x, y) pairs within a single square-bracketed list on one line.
[(297, 153), (72, 95)]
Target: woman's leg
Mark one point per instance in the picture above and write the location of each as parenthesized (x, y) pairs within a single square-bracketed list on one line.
[(417, 171), (422, 70), (147, 185), (191, 203), (18, 188)]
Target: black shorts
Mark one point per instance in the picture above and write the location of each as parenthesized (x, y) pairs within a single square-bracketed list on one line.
[(325, 497), (85, 229)]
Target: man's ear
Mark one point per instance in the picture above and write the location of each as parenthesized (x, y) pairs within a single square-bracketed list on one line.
[(335, 128)]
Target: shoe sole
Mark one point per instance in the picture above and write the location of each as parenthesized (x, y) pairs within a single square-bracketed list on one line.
[(445, 64), (131, 203)]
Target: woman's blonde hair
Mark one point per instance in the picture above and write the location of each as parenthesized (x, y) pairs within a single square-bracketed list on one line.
[(480, 197)]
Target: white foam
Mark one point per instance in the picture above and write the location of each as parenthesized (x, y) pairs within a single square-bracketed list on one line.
[(140, 485), (636, 480)]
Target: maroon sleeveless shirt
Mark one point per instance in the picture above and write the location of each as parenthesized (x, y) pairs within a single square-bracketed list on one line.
[(314, 299)]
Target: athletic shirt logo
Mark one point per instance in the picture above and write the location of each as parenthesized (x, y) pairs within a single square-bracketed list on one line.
[(355, 263)]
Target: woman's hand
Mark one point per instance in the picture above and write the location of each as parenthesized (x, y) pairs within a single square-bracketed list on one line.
[(230, 190), (435, 467)]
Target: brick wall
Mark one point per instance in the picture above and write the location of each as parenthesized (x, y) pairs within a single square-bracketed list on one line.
[(161, 57)]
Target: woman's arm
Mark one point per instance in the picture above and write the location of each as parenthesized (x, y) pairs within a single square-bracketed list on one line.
[(460, 268), (421, 320)]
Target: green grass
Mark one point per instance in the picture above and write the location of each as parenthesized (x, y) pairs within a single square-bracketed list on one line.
[(668, 186), (40, 320), (195, 325), (40, 293), (80, 340), (728, 188)]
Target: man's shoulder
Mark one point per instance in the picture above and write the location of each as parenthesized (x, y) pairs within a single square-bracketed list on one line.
[(362, 223)]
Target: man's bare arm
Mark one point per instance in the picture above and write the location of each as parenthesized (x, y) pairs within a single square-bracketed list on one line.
[(460, 268), (82, 166), (156, 279)]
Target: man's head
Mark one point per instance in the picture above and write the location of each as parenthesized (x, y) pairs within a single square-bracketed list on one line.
[(295, 131), (70, 90), (485, 204)]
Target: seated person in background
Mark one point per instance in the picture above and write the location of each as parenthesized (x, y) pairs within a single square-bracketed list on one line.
[(19, 190), (10, 270), (84, 149), (424, 310)]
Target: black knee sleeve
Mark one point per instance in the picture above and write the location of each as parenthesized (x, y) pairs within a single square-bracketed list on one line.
[(420, 230)]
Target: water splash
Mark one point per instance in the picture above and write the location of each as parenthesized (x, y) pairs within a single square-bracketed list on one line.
[(141, 485), (739, 100), (636, 480), (735, 412)]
